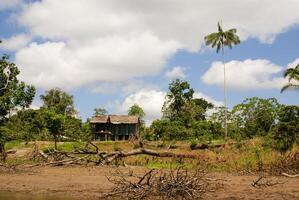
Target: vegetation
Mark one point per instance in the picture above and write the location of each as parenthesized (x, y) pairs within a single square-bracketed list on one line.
[(14, 94), (293, 77), (219, 40), (260, 130), (100, 111)]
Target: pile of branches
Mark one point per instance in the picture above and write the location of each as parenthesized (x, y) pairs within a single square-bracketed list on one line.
[(159, 184), (289, 165)]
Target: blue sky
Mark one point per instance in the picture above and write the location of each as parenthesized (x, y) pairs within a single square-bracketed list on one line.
[(117, 53)]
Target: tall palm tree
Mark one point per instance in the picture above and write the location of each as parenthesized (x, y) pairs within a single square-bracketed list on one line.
[(219, 40), (293, 75)]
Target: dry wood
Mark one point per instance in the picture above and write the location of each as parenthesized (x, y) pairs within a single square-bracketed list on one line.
[(159, 184), (289, 175)]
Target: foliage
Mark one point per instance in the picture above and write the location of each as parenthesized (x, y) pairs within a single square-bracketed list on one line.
[(176, 130), (293, 77), (54, 123), (193, 144), (13, 94), (59, 101), (100, 111), (136, 110), (255, 116), (179, 94), (222, 38), (285, 134)]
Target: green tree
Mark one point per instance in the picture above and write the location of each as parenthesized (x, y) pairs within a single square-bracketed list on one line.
[(59, 101), (100, 111), (13, 94), (179, 93), (54, 123), (255, 116), (219, 40), (136, 110), (293, 77)]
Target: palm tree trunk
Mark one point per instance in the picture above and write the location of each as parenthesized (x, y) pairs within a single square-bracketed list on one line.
[(225, 95)]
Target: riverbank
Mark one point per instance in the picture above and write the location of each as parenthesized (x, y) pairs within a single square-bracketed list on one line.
[(91, 183)]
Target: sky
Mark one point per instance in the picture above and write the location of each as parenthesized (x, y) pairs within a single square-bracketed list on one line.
[(112, 54)]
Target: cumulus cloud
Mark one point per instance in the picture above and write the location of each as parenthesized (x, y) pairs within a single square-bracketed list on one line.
[(8, 4), (151, 101), (246, 75), (97, 40), (176, 72), (59, 64), (15, 42)]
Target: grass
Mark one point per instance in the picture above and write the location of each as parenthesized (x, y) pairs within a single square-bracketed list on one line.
[(249, 155), (16, 144)]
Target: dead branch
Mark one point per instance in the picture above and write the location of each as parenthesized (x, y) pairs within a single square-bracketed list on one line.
[(163, 184), (289, 175), (266, 183)]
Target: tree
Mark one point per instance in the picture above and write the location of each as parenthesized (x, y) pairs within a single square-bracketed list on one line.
[(256, 116), (13, 94), (293, 77), (54, 123), (99, 111), (179, 93), (59, 101), (219, 40), (136, 110)]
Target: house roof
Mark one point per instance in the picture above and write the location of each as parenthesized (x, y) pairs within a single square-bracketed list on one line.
[(99, 119), (123, 119), (115, 119)]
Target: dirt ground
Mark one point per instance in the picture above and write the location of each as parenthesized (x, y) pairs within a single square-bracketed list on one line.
[(91, 183)]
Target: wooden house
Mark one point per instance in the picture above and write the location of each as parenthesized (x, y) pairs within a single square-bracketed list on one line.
[(115, 127)]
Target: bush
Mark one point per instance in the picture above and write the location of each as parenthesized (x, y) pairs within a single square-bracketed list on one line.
[(193, 144), (284, 135)]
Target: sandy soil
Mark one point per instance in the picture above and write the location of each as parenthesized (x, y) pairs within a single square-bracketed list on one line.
[(91, 183)]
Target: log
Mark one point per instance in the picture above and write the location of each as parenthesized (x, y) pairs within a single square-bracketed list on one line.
[(142, 151), (289, 175)]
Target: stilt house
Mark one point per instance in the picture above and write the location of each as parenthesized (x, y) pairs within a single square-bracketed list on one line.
[(115, 127)]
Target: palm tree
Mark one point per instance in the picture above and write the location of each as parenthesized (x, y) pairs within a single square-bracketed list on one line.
[(293, 75), (219, 40)]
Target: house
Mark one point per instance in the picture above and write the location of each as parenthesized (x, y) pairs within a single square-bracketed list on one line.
[(115, 127)]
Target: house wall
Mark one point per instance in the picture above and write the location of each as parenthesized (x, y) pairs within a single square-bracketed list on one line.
[(118, 131)]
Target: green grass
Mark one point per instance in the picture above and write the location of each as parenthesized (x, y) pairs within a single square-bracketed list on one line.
[(16, 144)]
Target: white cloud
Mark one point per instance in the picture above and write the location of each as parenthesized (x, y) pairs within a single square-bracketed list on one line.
[(176, 72), (59, 64), (8, 4), (97, 40), (246, 75), (15, 42), (151, 102)]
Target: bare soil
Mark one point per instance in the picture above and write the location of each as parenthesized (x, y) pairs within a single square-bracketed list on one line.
[(91, 183)]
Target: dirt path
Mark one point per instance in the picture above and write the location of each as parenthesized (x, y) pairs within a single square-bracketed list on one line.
[(91, 182)]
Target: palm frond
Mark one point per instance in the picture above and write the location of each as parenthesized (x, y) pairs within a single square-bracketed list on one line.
[(289, 86)]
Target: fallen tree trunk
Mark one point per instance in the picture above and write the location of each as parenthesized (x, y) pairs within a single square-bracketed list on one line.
[(289, 175)]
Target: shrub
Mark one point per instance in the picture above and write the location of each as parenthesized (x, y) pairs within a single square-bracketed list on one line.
[(193, 144)]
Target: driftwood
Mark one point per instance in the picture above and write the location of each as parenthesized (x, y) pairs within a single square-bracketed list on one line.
[(95, 155), (289, 175), (159, 184)]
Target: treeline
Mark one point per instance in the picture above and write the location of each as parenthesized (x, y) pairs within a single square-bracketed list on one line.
[(188, 118)]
